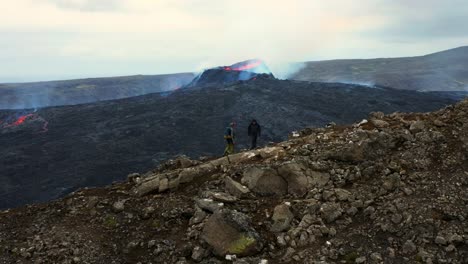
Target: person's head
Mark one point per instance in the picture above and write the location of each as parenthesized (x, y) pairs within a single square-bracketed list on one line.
[(233, 124), (254, 121)]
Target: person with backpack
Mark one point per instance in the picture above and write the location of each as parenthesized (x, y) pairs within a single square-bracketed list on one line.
[(254, 131), (229, 137)]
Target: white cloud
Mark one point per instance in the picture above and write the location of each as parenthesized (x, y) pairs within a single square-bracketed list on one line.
[(200, 33)]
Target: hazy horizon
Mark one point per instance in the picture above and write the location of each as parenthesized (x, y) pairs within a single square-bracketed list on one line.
[(68, 39)]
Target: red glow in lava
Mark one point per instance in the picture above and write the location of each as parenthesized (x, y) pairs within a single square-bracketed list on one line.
[(34, 117), (249, 65), (21, 120)]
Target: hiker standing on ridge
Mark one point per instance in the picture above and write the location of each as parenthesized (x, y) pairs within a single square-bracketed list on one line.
[(254, 132), (229, 136)]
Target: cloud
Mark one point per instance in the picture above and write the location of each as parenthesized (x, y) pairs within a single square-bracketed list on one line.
[(88, 5), (183, 35)]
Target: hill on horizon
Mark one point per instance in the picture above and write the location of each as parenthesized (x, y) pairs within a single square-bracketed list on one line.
[(80, 91), (441, 71)]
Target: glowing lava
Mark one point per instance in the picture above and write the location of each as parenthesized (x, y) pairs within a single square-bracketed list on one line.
[(250, 65), (21, 120)]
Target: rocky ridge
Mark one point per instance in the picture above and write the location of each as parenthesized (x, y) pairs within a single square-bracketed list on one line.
[(389, 189)]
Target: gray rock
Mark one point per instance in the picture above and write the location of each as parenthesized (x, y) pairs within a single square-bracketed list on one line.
[(282, 218), (230, 232), (392, 182), (409, 247), (456, 239), (199, 253), (222, 197), (376, 257), (197, 217), (331, 211), (343, 195), (295, 177), (281, 241), (379, 123), (450, 248), (396, 218), (265, 181), (209, 205), (318, 179), (352, 211), (235, 188), (417, 126), (440, 240), (361, 260), (377, 115), (118, 206)]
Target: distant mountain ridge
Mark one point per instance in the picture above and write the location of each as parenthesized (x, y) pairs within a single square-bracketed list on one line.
[(79, 91), (441, 71)]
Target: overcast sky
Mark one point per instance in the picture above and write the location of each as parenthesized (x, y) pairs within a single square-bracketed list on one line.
[(60, 39)]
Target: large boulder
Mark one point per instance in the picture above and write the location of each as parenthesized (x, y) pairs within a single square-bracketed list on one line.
[(265, 181), (230, 232), (294, 175)]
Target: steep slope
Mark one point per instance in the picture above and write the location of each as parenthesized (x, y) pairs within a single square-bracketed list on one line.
[(95, 144), (442, 71), (390, 190), (70, 92)]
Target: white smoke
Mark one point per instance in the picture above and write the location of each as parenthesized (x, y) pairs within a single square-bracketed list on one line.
[(285, 70)]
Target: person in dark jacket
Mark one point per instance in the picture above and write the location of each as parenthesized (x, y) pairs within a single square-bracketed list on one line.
[(254, 132)]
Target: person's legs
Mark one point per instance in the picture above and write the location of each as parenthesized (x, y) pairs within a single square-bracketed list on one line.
[(229, 147), (254, 142)]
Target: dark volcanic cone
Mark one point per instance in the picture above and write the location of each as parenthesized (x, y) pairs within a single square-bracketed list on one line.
[(241, 71)]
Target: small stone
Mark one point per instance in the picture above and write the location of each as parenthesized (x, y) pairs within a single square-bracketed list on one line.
[(223, 197), (379, 123), (151, 243), (456, 239), (282, 218), (409, 247), (361, 260), (352, 211), (199, 253), (289, 253), (235, 188), (408, 191), (396, 218), (343, 195), (281, 241), (376, 256), (330, 211), (391, 252), (417, 126), (209, 205), (118, 206), (197, 217), (440, 240), (450, 248)]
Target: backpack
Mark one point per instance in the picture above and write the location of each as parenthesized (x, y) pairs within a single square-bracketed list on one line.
[(228, 133)]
